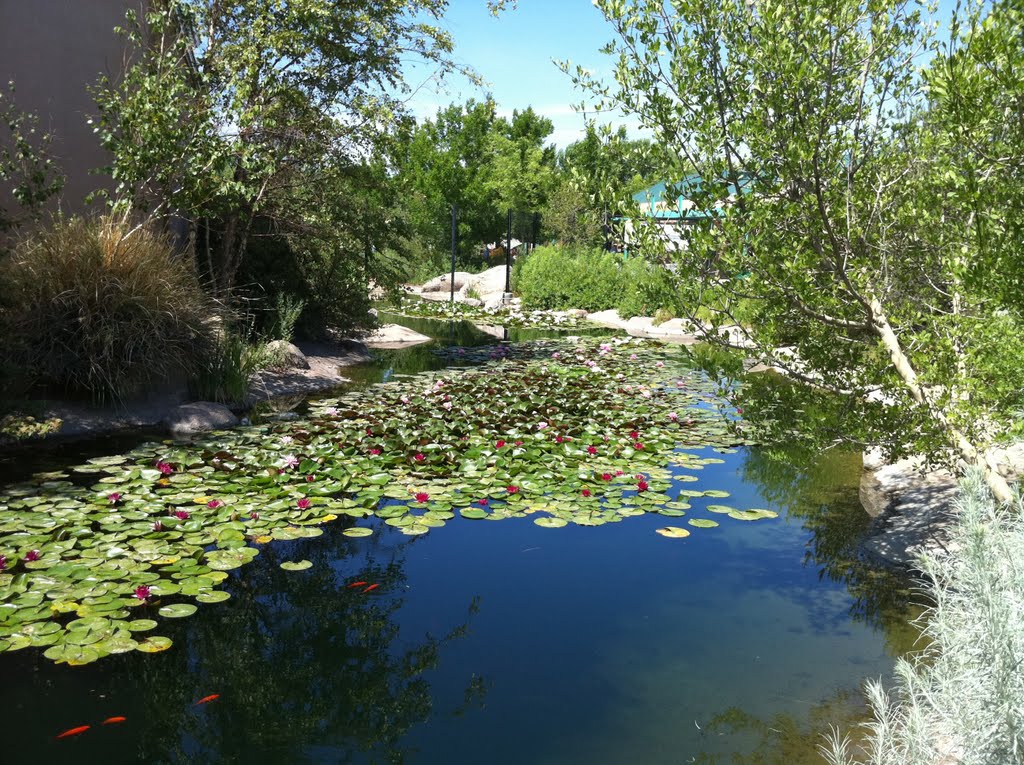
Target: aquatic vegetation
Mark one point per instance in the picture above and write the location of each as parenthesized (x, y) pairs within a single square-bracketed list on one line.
[(503, 316), (583, 438)]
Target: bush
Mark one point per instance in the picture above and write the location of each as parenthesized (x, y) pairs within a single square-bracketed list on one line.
[(557, 278), (227, 370), (95, 308), (286, 313), (959, 701)]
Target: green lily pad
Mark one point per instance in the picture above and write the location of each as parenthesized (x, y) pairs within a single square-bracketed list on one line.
[(720, 509), (177, 610), (213, 596), (703, 523), (299, 565), (141, 625), (357, 531), (673, 532), (551, 523), (473, 513), (154, 644)]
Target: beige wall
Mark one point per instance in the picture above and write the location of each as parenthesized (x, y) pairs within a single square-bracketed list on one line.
[(53, 50)]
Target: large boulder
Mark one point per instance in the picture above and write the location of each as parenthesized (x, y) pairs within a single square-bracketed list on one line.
[(198, 417), (443, 283), (287, 355)]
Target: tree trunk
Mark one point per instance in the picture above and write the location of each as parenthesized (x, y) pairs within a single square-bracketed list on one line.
[(968, 451)]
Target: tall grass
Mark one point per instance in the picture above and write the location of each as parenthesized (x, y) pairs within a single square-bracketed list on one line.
[(228, 368), (962, 699), (96, 308)]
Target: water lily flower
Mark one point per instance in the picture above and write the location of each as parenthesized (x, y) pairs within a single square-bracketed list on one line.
[(303, 504), (512, 489), (541, 425), (519, 443), (645, 394), (739, 410), (419, 457), (166, 468), (254, 516), (484, 502), (143, 591), (158, 525), (559, 439), (556, 355), (310, 478), (290, 461), (181, 515), (286, 439), (331, 411), (447, 406), (641, 486), (3, 562), (634, 434), (32, 555), (585, 492), (606, 476), (213, 504), (499, 444), (369, 431), (422, 496), (659, 364), (627, 388), (114, 497), (633, 357), (638, 446), (375, 451), (591, 449), (673, 416)]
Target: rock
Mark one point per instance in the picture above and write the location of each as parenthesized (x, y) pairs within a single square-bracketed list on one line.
[(576, 313), (395, 336), (443, 283), (472, 302), (198, 417), (609, 318), (288, 356)]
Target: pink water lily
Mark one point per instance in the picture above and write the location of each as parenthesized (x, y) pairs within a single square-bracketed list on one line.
[(166, 468), (519, 443), (158, 525), (32, 555), (633, 357), (181, 515), (634, 435), (484, 502), (303, 504), (541, 425), (331, 411), (286, 439), (673, 416), (254, 516), (591, 449), (585, 492), (447, 406), (213, 504), (641, 486), (419, 457), (512, 489), (739, 410), (638, 446), (499, 444), (606, 476), (114, 497), (559, 439), (659, 364), (3, 562), (422, 496), (143, 591), (375, 451), (369, 431), (618, 472), (310, 478)]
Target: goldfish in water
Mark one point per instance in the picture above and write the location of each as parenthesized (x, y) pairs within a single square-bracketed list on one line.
[(74, 731), (207, 699), (371, 587), (356, 584), (114, 720)]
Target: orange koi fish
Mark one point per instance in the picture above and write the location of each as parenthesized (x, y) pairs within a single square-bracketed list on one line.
[(114, 720), (356, 584), (74, 731), (207, 699), (371, 587)]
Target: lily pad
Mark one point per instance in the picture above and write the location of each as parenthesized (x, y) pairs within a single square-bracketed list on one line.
[(298, 565), (357, 531), (213, 596), (154, 644), (673, 532), (551, 522), (177, 610), (703, 523)]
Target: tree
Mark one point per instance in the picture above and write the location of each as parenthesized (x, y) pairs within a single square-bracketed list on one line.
[(843, 226), (522, 169), (229, 105)]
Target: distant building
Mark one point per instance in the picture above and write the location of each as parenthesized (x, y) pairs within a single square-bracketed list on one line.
[(53, 51)]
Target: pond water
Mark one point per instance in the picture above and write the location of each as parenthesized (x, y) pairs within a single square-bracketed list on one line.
[(505, 642)]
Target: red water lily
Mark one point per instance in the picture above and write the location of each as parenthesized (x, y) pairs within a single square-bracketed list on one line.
[(213, 504), (422, 496), (419, 457), (618, 472), (254, 516), (641, 486), (3, 562), (369, 431), (606, 476), (638, 446), (114, 497), (512, 489), (166, 468), (158, 525), (303, 504), (498, 444), (591, 450), (32, 555), (484, 502), (375, 451), (181, 515), (585, 492), (559, 439), (143, 591), (634, 434), (519, 443), (310, 478)]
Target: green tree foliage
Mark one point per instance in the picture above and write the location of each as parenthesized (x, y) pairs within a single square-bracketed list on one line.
[(28, 177), (236, 112), (864, 210)]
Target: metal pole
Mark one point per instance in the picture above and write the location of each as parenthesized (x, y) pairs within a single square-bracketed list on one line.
[(508, 256), (455, 235)]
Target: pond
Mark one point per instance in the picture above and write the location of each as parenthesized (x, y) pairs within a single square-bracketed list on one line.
[(588, 638)]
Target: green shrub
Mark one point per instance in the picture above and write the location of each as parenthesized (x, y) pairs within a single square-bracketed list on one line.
[(227, 369), (95, 307), (287, 310), (651, 288), (959, 701)]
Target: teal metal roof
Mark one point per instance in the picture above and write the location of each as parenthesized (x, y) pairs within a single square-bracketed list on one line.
[(673, 210)]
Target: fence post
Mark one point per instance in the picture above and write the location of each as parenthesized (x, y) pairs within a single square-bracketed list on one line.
[(455, 234)]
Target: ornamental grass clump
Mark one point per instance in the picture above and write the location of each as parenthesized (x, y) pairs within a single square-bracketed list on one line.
[(960, 701), (98, 308)]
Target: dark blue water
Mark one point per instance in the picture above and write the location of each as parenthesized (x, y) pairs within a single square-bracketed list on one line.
[(504, 642)]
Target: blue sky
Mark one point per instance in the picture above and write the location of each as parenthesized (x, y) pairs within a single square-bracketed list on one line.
[(514, 53)]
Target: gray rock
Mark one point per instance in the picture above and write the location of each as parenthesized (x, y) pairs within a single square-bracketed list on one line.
[(198, 417), (472, 302), (443, 283), (288, 356)]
